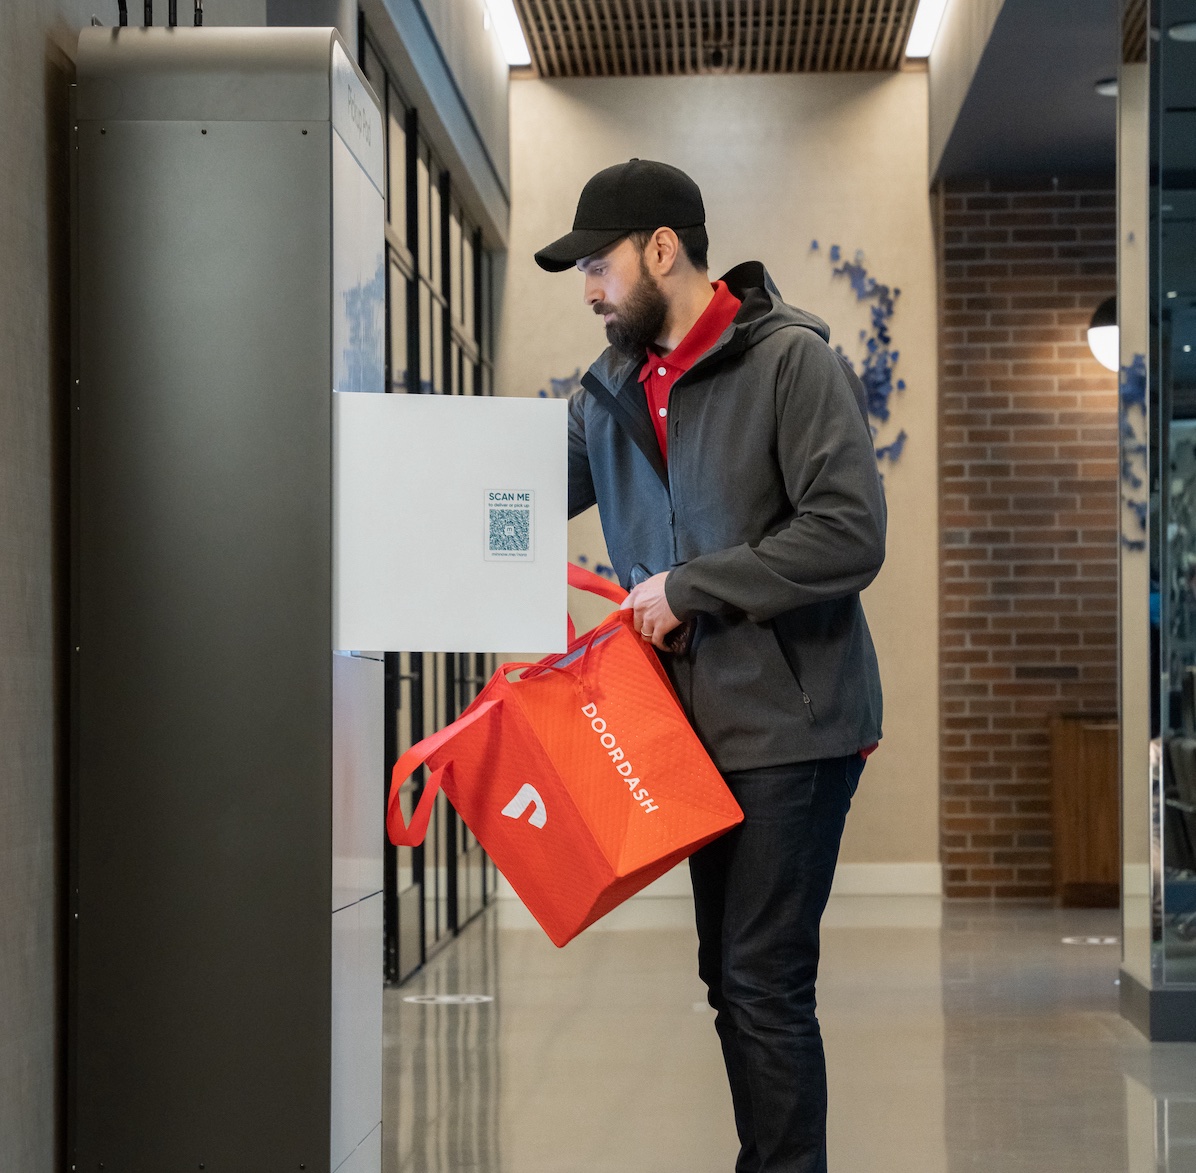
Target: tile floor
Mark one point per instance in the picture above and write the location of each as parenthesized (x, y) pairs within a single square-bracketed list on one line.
[(959, 1037)]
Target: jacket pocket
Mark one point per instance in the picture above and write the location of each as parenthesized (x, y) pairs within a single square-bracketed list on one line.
[(790, 658)]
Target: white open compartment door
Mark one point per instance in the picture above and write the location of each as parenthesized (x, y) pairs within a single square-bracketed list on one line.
[(450, 523)]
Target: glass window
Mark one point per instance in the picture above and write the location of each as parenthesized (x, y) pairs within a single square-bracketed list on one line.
[(405, 855), (397, 163), (422, 200), (485, 307), (398, 330), (456, 286), (425, 339), (435, 272), (436, 322), (468, 293)]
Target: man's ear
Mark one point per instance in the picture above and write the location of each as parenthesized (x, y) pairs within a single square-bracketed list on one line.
[(663, 250)]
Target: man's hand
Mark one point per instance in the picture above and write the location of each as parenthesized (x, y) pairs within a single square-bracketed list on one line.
[(653, 619)]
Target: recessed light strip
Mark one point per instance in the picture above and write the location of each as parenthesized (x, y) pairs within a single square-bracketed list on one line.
[(510, 32), (925, 28)]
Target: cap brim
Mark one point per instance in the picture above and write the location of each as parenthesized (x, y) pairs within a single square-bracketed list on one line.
[(582, 242)]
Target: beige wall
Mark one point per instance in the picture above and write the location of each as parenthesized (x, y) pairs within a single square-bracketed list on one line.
[(781, 161)]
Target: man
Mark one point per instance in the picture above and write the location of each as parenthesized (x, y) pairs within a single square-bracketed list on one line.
[(727, 448)]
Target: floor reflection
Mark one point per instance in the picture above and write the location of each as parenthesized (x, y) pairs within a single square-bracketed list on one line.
[(1032, 1037), (441, 1075), (959, 1038)]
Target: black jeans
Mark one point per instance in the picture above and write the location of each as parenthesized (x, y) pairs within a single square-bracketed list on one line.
[(760, 892)]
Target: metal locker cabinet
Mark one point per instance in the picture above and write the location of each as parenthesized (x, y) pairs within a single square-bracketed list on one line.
[(225, 959)]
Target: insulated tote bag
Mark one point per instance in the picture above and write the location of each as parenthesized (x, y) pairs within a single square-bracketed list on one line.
[(579, 775)]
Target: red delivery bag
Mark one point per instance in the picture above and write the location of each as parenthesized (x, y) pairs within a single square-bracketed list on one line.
[(579, 775)]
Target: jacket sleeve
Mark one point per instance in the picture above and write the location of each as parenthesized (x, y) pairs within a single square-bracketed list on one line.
[(834, 543), (581, 483)]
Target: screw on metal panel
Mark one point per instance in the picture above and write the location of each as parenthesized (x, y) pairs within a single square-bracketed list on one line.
[(204, 131), (103, 130), (304, 132)]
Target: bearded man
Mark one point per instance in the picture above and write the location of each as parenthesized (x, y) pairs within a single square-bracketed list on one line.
[(727, 448)]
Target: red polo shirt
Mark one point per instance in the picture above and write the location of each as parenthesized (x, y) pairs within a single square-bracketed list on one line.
[(660, 372)]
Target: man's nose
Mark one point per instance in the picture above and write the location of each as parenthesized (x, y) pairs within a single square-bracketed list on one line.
[(593, 293)]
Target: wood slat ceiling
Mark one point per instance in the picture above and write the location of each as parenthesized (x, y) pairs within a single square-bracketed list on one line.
[(625, 38)]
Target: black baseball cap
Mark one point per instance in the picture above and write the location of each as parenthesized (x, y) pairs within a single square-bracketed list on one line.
[(637, 196)]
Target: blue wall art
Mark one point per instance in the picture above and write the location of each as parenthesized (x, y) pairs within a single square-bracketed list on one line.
[(598, 567), (562, 388), (1132, 407), (876, 372)]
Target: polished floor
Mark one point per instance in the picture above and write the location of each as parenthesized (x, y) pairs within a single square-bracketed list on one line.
[(958, 1038)]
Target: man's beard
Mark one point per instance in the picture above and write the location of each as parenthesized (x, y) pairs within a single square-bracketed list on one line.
[(639, 319)]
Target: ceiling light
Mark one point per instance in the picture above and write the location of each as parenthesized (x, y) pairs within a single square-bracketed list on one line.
[(925, 27), (510, 31), (1107, 87), (1103, 337), (1183, 32)]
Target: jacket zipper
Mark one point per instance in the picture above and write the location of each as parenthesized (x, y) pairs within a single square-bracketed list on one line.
[(668, 468), (787, 656)]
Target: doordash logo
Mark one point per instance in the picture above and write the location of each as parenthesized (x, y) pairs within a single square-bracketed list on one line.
[(528, 796), (618, 759)]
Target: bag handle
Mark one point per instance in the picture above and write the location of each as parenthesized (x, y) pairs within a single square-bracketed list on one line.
[(529, 670), (593, 584), (412, 834)]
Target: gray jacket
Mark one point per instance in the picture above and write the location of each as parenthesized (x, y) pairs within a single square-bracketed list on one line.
[(769, 517)]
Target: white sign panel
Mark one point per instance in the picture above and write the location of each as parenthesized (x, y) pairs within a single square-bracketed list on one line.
[(449, 516)]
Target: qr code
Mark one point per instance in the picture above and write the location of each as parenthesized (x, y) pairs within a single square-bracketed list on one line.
[(510, 531)]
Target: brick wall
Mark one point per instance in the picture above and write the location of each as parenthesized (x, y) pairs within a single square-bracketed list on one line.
[(1028, 495)]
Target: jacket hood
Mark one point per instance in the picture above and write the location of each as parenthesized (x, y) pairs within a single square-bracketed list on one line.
[(762, 313)]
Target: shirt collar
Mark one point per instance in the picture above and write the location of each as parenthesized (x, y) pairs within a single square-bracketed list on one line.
[(703, 334)]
